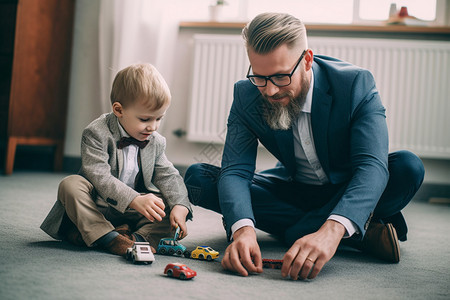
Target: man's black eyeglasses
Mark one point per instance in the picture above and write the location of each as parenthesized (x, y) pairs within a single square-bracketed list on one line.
[(279, 80)]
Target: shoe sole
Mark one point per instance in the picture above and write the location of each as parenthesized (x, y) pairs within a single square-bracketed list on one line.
[(394, 242)]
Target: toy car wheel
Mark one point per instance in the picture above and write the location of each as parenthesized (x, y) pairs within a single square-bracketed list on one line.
[(182, 276), (171, 251), (187, 254), (201, 256), (128, 255), (162, 251), (134, 259), (170, 273), (179, 252), (209, 258)]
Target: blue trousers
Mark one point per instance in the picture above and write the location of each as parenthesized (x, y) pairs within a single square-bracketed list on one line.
[(291, 210)]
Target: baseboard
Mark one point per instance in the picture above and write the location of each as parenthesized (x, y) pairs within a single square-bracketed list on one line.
[(181, 169), (429, 192), (71, 164), (32, 158)]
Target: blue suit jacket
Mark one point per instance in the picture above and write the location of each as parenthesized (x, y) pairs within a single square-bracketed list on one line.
[(350, 135)]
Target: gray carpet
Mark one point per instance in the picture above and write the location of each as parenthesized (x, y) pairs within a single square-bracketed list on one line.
[(33, 266)]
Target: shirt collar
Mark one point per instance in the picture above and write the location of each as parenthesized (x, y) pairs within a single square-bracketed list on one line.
[(308, 101), (123, 133)]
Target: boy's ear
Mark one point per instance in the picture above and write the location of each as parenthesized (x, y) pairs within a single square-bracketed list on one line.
[(117, 109)]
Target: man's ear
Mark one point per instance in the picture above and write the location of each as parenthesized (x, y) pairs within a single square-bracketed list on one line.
[(117, 109), (309, 58)]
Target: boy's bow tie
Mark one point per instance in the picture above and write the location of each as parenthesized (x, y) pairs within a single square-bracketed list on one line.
[(126, 141)]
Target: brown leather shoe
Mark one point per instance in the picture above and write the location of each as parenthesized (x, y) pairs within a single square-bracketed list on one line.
[(73, 236), (124, 230), (381, 241), (119, 245)]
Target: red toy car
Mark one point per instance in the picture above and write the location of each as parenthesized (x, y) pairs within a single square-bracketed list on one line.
[(272, 263), (178, 270)]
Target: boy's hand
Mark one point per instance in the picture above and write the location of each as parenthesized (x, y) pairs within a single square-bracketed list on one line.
[(178, 218), (150, 206)]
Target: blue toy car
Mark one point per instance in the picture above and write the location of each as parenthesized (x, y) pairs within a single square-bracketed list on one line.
[(171, 246)]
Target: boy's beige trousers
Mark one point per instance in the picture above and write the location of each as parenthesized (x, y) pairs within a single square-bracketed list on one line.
[(94, 217)]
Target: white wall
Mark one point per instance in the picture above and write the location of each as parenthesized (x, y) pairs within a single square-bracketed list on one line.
[(84, 79), (179, 150), (84, 93)]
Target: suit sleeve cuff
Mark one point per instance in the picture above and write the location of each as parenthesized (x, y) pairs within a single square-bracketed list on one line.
[(239, 224), (350, 227)]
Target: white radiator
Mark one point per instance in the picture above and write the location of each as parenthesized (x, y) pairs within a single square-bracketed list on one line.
[(219, 61), (413, 78)]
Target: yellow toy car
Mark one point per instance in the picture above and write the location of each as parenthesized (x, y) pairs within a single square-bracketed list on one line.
[(204, 252)]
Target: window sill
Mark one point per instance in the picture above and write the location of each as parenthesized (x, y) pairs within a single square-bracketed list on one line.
[(443, 31)]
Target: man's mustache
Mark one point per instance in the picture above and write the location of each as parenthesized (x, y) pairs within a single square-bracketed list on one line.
[(278, 96)]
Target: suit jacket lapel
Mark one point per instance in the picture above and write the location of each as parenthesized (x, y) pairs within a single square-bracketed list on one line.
[(147, 154), (114, 128), (320, 114)]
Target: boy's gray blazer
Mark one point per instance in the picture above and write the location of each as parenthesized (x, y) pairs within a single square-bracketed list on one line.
[(102, 162)]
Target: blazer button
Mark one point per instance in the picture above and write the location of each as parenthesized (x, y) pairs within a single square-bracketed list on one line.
[(111, 201), (368, 221), (224, 223)]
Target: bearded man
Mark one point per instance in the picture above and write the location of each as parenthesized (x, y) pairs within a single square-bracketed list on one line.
[(335, 183)]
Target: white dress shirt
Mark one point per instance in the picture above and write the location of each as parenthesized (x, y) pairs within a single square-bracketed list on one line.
[(130, 162)]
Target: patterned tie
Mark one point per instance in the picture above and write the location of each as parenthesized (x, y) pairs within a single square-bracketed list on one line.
[(126, 141)]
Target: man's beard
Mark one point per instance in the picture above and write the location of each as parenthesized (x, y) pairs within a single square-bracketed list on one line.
[(280, 117)]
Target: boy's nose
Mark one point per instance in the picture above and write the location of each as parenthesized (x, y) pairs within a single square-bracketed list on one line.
[(152, 126)]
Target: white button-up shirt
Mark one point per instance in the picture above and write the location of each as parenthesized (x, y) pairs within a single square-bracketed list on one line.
[(309, 169), (130, 162)]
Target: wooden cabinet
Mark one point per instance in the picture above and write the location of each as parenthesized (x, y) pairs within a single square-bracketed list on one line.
[(40, 76), (7, 26)]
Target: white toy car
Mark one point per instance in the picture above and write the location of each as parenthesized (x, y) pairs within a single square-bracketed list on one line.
[(141, 252)]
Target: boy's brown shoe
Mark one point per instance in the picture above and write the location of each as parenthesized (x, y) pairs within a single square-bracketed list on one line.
[(73, 236), (124, 230), (381, 241), (119, 245)]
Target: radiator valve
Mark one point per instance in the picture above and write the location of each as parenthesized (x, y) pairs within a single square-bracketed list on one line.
[(179, 133)]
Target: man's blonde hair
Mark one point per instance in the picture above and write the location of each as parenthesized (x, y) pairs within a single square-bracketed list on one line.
[(140, 82), (268, 31)]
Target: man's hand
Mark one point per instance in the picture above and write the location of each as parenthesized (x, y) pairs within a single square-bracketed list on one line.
[(310, 253), (243, 254), (150, 206), (178, 218)]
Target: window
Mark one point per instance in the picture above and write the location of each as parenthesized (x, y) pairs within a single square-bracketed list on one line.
[(324, 11), (379, 10), (317, 11)]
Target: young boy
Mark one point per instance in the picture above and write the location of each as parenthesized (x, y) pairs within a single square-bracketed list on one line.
[(126, 190)]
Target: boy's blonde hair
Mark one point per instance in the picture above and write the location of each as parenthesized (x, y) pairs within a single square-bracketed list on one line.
[(140, 82), (268, 31)]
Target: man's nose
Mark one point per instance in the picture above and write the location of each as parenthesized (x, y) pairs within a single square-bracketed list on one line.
[(271, 89)]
